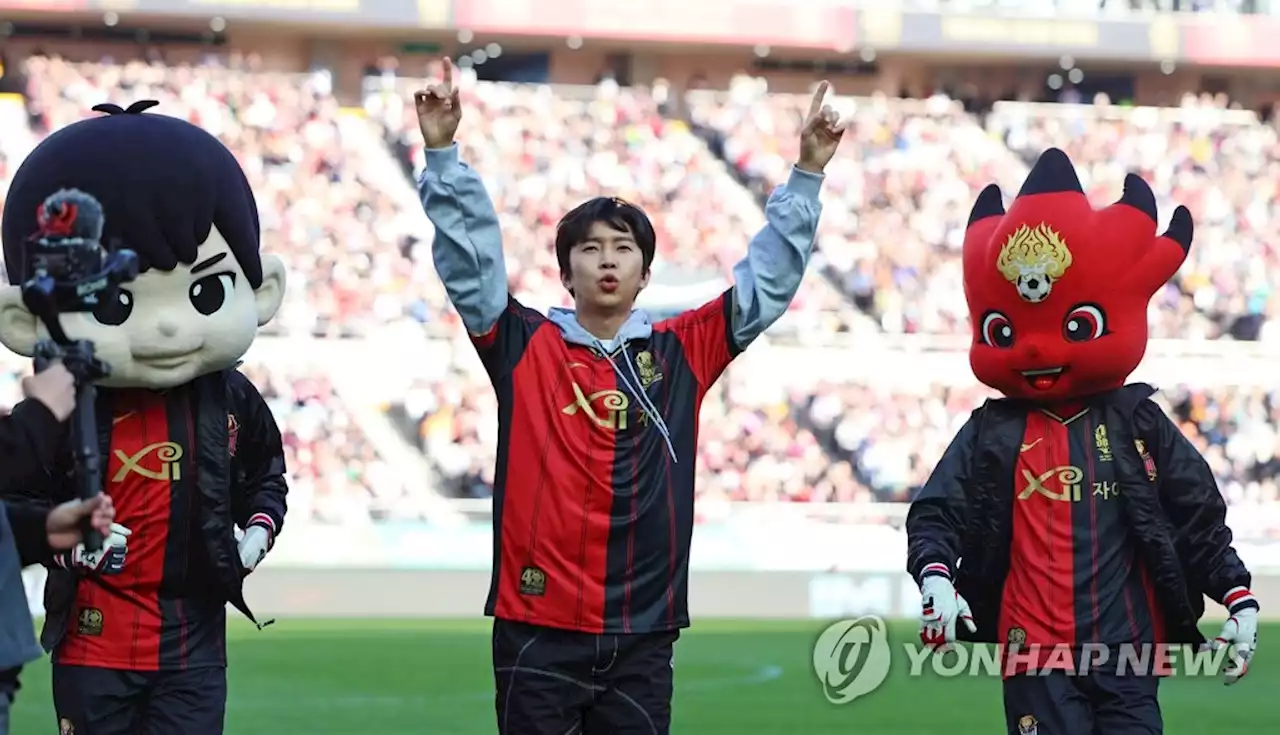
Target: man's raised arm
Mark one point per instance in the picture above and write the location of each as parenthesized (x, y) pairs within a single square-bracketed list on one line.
[(468, 244), (767, 280)]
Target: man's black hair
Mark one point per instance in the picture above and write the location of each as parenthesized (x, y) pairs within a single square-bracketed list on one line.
[(620, 215), (163, 184)]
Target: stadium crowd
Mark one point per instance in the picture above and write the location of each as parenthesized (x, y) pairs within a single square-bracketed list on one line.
[(911, 168), (896, 201), (542, 152), (348, 244), (846, 442)]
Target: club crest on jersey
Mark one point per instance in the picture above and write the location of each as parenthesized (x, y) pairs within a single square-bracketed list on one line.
[(65, 727), (1032, 259), (1102, 443), (648, 372), (1028, 725), (233, 433)]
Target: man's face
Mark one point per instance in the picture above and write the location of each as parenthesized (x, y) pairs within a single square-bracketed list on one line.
[(606, 270), (169, 327)]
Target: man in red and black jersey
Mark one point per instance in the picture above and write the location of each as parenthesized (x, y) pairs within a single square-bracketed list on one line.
[(190, 450), (597, 435)]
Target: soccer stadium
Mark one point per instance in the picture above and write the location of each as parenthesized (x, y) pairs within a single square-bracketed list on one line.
[(814, 441)]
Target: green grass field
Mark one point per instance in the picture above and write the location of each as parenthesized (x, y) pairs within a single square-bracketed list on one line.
[(732, 678)]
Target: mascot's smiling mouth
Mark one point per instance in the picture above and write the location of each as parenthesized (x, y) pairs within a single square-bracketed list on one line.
[(1043, 379), (165, 360)]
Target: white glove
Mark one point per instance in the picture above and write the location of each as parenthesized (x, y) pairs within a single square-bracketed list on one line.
[(1240, 632), (107, 560), (940, 607), (254, 546)]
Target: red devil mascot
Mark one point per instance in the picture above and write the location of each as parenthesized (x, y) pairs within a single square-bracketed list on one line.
[(1070, 521)]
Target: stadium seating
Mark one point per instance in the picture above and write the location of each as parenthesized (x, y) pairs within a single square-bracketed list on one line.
[(896, 199)]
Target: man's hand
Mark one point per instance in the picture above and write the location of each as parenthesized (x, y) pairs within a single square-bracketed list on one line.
[(55, 388), (107, 560), (820, 136), (254, 546), (940, 607), (439, 110), (1240, 632), (64, 522)]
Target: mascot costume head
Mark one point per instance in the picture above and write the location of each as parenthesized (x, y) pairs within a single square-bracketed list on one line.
[(178, 198), (1058, 291)]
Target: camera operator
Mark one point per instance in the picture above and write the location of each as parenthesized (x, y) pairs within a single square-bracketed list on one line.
[(30, 438)]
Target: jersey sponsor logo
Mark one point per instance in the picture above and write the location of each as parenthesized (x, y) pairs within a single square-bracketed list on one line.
[(1029, 447), (606, 408), (533, 582), (168, 456), (1065, 484)]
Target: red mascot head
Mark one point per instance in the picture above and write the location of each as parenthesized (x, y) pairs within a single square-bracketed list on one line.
[(1057, 290)]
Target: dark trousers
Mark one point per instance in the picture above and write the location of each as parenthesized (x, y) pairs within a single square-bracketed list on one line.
[(557, 682), (93, 701), (1096, 703), (8, 690)]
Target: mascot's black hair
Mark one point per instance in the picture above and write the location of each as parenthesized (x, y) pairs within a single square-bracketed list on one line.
[(163, 184)]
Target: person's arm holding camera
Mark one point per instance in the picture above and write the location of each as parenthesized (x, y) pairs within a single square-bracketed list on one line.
[(40, 532), (32, 438), (33, 434)]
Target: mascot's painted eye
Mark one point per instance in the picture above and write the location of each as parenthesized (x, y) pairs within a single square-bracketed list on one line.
[(116, 311), (208, 294), (997, 330), (1084, 323)]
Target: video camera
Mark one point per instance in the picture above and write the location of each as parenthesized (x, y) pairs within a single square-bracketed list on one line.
[(71, 272)]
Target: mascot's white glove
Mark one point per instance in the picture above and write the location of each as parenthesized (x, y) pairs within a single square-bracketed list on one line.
[(107, 560), (255, 544), (1240, 632), (940, 608)]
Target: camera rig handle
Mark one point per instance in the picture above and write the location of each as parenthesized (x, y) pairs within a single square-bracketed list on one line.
[(78, 358), (71, 272)]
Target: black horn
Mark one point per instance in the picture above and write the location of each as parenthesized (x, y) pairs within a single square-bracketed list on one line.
[(1138, 194), (1053, 173), (990, 203)]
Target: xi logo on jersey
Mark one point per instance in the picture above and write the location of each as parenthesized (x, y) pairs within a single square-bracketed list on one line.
[(168, 455)]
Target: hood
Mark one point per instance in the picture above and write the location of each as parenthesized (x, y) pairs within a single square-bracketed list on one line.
[(637, 328)]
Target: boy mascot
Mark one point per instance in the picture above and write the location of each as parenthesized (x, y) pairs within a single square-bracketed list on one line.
[(189, 448), (1078, 524)]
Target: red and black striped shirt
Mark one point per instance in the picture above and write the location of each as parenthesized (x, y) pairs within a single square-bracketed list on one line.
[(593, 516), (158, 614)]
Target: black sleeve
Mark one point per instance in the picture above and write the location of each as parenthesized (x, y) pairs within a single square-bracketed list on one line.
[(936, 519), (30, 440), (261, 496), (1190, 497), (502, 347), (30, 535)]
